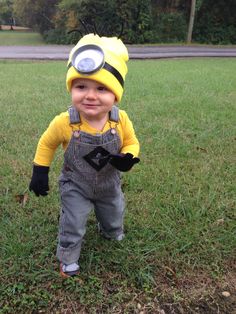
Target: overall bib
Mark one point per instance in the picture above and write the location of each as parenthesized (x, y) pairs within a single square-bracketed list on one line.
[(88, 181)]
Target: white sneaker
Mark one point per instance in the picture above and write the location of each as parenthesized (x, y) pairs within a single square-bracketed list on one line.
[(120, 237), (69, 270)]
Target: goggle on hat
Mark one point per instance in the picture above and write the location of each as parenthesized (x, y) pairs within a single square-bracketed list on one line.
[(102, 59)]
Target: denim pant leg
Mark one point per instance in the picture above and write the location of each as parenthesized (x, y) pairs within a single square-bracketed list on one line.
[(75, 208), (109, 210)]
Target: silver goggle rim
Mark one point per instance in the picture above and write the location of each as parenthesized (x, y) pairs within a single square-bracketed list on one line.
[(88, 59)]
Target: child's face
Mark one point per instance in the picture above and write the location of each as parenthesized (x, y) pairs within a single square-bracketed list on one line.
[(92, 99)]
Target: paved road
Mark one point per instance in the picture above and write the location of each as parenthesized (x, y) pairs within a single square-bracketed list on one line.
[(60, 52)]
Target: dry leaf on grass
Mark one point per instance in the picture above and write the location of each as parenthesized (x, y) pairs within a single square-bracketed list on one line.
[(22, 198)]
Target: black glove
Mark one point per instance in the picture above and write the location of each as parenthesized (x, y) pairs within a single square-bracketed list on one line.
[(39, 180), (123, 162)]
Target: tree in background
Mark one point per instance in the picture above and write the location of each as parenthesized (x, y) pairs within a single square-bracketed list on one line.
[(191, 21), (35, 14), (195, 7), (216, 22), (106, 17), (65, 18), (6, 11), (169, 20), (137, 20), (149, 21), (113, 16)]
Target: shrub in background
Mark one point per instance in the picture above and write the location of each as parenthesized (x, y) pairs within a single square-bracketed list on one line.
[(169, 27)]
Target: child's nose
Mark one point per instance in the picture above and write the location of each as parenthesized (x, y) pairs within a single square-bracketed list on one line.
[(91, 93)]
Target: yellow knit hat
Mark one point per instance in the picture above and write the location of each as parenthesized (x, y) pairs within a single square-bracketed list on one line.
[(102, 59)]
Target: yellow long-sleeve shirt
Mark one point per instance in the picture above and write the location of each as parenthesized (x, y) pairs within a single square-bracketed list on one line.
[(60, 132)]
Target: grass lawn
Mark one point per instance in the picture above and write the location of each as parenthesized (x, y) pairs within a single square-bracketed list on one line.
[(20, 37), (179, 250)]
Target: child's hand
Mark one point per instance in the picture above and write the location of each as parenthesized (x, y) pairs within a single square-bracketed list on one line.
[(123, 162), (39, 180)]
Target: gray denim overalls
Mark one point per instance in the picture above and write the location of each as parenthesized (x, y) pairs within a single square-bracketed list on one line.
[(88, 180)]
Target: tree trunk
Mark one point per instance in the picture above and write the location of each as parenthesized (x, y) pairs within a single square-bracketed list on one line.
[(191, 21)]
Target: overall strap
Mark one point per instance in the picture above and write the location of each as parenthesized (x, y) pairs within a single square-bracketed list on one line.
[(74, 115), (114, 114)]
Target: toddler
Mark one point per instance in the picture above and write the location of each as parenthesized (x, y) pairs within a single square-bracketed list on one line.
[(99, 142)]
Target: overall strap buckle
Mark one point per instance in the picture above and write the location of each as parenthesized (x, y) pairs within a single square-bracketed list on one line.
[(114, 114), (74, 115)]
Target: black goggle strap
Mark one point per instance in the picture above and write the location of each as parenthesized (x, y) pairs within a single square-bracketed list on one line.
[(110, 69)]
